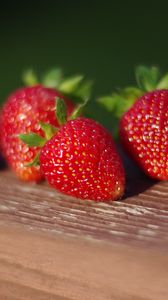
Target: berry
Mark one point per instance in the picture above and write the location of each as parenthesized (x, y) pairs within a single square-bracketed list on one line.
[(142, 114), (21, 114), (144, 133), (81, 160)]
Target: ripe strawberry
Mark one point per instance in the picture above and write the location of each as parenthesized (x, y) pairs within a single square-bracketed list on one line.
[(143, 126), (26, 107), (144, 133), (81, 160), (21, 114)]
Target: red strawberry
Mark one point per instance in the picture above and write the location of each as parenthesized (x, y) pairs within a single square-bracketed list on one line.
[(144, 125), (26, 107), (144, 133), (21, 114), (81, 160)]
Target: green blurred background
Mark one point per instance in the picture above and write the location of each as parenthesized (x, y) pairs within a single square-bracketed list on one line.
[(103, 40)]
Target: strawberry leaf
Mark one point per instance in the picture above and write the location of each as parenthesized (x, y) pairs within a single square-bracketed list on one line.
[(29, 78), (163, 83), (108, 102), (131, 92), (48, 129), (120, 102), (70, 84), (35, 161), (84, 89), (32, 140), (76, 87), (147, 78), (53, 78), (61, 111)]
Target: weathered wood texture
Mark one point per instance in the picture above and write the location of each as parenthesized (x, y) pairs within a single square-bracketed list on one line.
[(36, 266), (54, 247), (140, 219)]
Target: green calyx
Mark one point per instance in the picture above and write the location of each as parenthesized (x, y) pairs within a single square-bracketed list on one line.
[(148, 79), (76, 86), (61, 111), (29, 78), (120, 102), (35, 140), (48, 129), (79, 109)]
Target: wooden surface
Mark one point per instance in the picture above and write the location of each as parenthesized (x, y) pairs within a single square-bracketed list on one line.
[(41, 267), (139, 219), (57, 247)]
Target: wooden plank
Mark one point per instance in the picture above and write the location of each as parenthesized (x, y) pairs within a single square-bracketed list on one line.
[(140, 219), (56, 247), (42, 267)]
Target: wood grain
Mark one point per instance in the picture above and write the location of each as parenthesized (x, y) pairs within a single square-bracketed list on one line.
[(140, 219), (35, 266), (55, 247)]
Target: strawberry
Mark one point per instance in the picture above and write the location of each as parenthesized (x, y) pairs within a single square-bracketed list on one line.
[(26, 107), (144, 133), (143, 126), (81, 160), (21, 114)]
